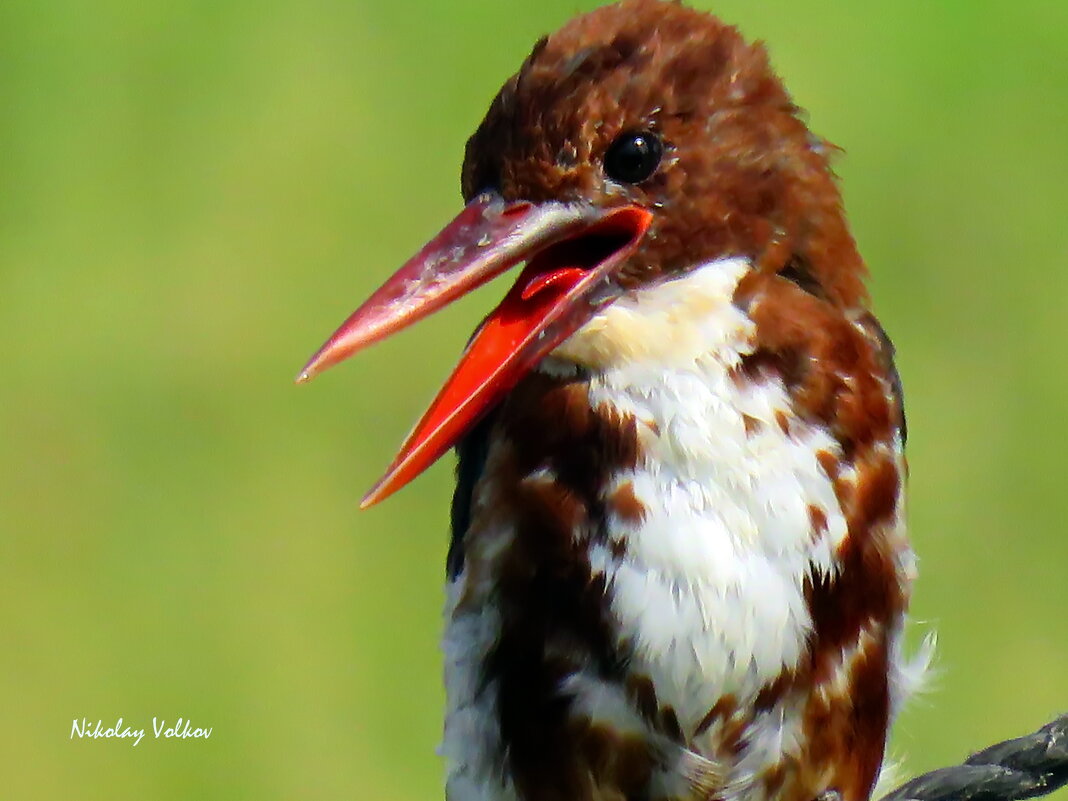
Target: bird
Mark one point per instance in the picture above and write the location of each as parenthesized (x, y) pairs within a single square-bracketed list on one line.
[(678, 565)]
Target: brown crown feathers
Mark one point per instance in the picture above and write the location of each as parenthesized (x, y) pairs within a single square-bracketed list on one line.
[(741, 174)]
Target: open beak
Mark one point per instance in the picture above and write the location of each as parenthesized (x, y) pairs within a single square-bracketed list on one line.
[(572, 253)]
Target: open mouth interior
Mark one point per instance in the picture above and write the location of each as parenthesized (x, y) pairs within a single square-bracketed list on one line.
[(562, 265)]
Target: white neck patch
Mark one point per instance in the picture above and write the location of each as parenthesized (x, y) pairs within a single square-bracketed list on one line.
[(671, 323)]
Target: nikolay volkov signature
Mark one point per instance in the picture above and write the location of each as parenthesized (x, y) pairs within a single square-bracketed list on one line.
[(181, 729)]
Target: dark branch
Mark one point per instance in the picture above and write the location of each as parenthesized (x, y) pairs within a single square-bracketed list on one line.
[(1029, 766)]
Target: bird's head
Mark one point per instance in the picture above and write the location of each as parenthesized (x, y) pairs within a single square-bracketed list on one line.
[(638, 142)]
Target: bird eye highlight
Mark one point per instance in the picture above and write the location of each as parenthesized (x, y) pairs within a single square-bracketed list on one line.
[(633, 157)]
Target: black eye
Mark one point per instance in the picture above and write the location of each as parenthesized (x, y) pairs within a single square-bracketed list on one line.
[(633, 157)]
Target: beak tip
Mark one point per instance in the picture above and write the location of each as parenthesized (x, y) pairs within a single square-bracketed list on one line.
[(306, 374), (382, 489), (315, 365), (370, 499)]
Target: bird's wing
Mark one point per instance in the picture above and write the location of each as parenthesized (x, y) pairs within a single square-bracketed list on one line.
[(471, 453)]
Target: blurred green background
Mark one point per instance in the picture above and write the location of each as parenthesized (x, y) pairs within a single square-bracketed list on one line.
[(193, 194)]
